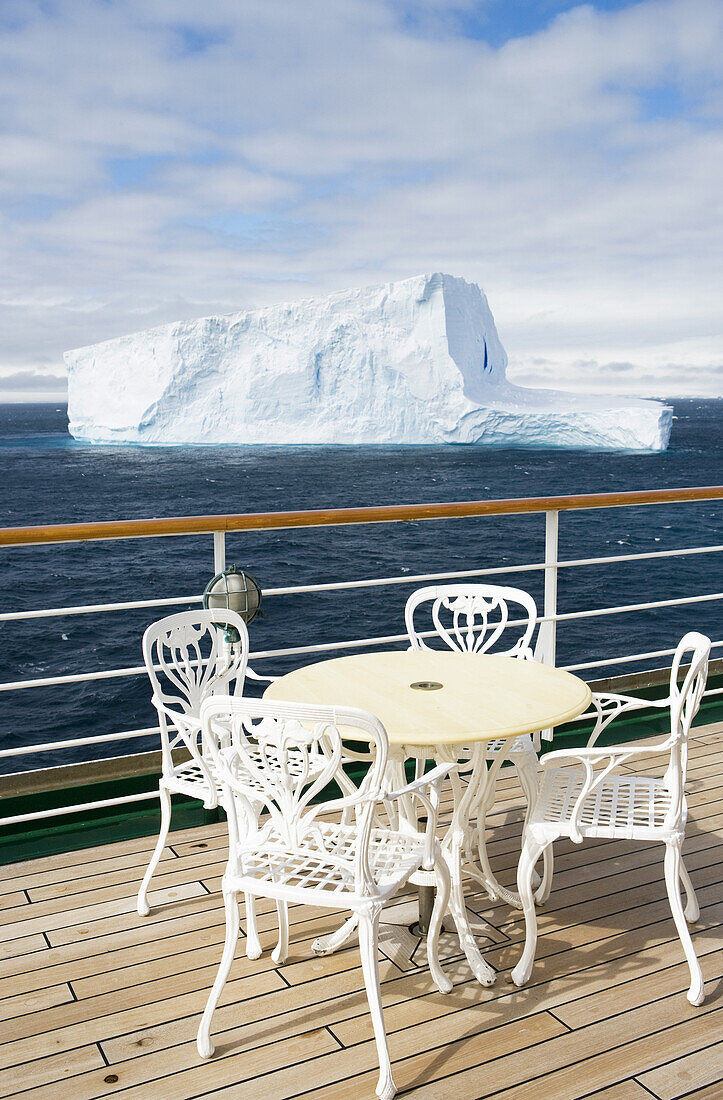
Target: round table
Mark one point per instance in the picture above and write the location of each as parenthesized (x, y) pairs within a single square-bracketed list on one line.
[(446, 705)]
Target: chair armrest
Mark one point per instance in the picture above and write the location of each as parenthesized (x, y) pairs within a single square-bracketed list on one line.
[(435, 776), (426, 789), (593, 754), (417, 787), (608, 706), (256, 676), (184, 724)]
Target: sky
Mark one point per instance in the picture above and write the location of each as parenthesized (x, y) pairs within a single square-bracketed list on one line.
[(169, 159)]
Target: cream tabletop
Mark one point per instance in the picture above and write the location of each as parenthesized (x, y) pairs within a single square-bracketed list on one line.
[(429, 697)]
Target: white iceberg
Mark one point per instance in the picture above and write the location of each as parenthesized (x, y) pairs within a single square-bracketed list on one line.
[(416, 361)]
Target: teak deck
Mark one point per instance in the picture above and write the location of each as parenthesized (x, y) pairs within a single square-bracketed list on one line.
[(98, 1002)]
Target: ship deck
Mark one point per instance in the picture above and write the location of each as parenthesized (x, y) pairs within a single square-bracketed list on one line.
[(99, 1002)]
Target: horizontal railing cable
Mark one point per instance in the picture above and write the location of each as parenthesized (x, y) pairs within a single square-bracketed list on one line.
[(74, 742), (80, 807), (94, 608), (630, 658), (371, 582), (354, 643)]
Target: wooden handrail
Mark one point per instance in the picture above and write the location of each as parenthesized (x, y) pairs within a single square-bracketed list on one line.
[(332, 517)]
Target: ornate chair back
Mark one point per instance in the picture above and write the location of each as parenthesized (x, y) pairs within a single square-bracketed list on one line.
[(188, 659), (282, 756), (473, 618), (685, 700)]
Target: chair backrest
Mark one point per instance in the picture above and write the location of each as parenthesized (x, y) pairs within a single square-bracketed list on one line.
[(188, 659), (685, 700), (283, 756), (473, 618)]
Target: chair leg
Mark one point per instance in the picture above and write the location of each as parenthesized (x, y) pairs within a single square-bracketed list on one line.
[(692, 909), (527, 769), (674, 870), (281, 951), (142, 903), (530, 854), (368, 943), (325, 945), (548, 865), (441, 900), (253, 944), (203, 1041)]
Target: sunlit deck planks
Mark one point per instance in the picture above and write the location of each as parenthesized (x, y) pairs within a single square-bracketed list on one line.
[(98, 1002)]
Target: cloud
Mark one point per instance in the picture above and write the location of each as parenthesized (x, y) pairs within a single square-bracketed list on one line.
[(26, 385), (656, 377), (27, 380), (163, 160)]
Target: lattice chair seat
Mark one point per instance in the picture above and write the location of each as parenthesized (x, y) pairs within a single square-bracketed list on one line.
[(191, 777), (519, 745), (331, 853), (393, 856), (584, 794), (634, 807), (522, 744)]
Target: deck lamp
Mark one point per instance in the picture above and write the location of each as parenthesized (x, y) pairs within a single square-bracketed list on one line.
[(237, 591)]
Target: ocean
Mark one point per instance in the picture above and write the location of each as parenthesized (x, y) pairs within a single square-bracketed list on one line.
[(46, 477)]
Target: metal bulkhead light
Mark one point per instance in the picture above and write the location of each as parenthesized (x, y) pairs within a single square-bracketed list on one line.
[(235, 590)]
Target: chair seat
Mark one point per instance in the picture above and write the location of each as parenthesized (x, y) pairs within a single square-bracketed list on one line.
[(520, 744), (621, 806), (188, 778), (393, 856), (513, 747)]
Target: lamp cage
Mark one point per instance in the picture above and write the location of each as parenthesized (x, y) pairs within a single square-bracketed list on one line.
[(235, 590)]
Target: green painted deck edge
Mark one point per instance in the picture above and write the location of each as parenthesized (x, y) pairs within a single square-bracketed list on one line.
[(70, 832)]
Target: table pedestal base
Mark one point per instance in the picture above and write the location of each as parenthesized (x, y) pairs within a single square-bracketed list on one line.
[(425, 899), (402, 945), (425, 905)]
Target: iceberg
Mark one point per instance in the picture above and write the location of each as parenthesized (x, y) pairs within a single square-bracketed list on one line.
[(409, 362)]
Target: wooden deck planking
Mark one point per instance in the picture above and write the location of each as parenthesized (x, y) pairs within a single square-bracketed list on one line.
[(697, 1070), (624, 1090), (96, 1001)]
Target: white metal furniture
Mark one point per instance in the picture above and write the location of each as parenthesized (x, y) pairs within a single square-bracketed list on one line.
[(331, 853), (581, 795), (478, 698), (114, 535), (477, 618), (188, 659)]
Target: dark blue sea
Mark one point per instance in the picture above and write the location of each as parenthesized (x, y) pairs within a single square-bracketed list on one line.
[(46, 477)]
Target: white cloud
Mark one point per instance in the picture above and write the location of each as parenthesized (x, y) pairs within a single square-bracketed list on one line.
[(170, 158)]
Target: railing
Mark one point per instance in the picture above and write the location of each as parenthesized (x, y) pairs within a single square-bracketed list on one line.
[(219, 526)]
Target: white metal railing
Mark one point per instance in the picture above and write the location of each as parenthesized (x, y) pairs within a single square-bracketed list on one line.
[(548, 621)]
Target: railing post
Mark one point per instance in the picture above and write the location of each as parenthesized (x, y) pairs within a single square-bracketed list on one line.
[(219, 551), (546, 648)]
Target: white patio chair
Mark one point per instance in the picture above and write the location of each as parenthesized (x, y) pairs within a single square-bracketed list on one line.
[(475, 618), (188, 659), (331, 853), (582, 796)]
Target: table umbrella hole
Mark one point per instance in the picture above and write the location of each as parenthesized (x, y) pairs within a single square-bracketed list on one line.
[(426, 685)]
